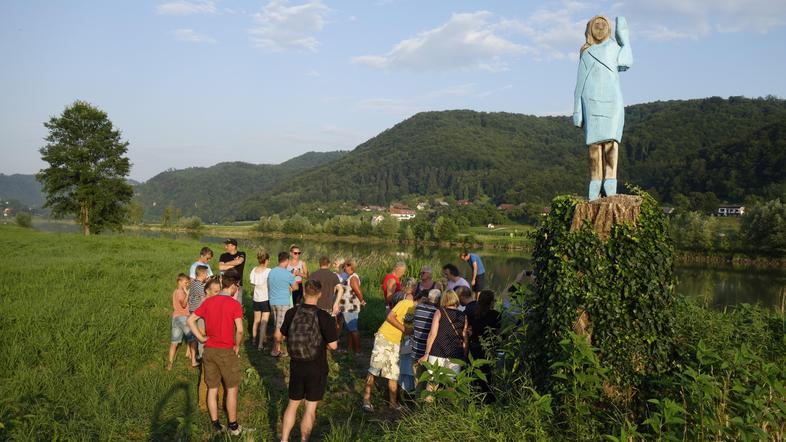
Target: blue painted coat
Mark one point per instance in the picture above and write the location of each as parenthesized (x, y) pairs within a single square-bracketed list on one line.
[(598, 106)]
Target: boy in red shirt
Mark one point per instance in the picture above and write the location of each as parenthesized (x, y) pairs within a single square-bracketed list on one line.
[(223, 318)]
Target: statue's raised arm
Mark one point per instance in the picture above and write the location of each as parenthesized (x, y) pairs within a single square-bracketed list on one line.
[(598, 106)]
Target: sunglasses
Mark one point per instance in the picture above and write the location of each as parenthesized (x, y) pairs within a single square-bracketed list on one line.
[(296, 253)]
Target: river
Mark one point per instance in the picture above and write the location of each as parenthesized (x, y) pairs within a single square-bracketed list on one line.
[(715, 286)]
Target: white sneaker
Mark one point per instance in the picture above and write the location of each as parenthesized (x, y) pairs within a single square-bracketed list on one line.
[(236, 431)]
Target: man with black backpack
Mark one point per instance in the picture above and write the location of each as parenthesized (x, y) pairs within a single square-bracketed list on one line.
[(309, 331)]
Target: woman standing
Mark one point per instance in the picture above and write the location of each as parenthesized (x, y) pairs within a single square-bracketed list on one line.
[(426, 283), (258, 279), (350, 304), (448, 336), (484, 322), (299, 269)]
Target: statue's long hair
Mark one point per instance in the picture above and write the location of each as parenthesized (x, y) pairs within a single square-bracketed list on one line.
[(590, 40)]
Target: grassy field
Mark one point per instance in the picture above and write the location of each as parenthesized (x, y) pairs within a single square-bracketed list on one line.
[(85, 325)]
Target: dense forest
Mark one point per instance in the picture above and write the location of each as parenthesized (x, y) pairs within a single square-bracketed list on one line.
[(214, 193), (704, 150), (691, 153), (23, 189)]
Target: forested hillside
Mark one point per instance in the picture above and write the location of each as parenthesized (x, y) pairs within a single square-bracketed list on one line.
[(214, 193), (674, 148), (22, 188)]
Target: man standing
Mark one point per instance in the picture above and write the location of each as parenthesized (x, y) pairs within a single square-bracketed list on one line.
[(223, 335), (331, 287), (309, 331), (233, 260), (280, 284), (478, 280), (391, 283), (205, 255)]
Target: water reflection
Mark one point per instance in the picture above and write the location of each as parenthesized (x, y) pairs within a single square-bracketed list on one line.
[(714, 287)]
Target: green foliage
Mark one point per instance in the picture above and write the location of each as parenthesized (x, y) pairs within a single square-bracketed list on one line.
[(270, 224), (167, 217), (764, 226), (445, 229), (693, 231), (388, 227), (24, 219), (23, 188), (624, 284), (87, 168), (216, 193), (297, 224), (135, 213), (190, 223)]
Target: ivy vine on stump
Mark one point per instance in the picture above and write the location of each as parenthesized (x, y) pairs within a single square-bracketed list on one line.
[(605, 271)]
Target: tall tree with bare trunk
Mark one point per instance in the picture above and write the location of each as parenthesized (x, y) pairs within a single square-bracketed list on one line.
[(87, 169)]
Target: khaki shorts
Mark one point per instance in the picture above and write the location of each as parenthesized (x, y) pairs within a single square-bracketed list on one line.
[(221, 364), (384, 358)]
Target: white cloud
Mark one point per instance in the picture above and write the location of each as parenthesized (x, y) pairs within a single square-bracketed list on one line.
[(313, 73), (282, 27), (183, 7), (467, 40), (191, 36)]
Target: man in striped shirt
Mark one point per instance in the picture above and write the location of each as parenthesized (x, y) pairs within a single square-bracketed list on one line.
[(424, 313)]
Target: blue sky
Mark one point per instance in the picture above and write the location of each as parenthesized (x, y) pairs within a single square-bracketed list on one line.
[(193, 83)]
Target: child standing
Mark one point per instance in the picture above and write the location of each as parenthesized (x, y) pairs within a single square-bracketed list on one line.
[(180, 313), (258, 279)]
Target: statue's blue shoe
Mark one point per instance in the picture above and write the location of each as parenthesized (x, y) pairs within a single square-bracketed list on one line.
[(594, 190), (610, 187)]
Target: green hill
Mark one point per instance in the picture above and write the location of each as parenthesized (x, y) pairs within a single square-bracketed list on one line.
[(214, 193), (669, 148), (22, 188)]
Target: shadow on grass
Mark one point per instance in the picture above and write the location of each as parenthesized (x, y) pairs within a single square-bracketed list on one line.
[(173, 428)]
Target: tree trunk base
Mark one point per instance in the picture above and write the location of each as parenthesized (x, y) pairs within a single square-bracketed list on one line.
[(604, 213)]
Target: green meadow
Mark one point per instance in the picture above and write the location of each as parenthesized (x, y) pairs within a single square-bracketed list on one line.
[(84, 326)]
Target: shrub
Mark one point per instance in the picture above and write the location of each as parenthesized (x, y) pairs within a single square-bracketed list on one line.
[(764, 226), (24, 219), (621, 287), (190, 223)]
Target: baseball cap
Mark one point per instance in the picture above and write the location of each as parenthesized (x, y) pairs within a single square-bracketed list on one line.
[(231, 241)]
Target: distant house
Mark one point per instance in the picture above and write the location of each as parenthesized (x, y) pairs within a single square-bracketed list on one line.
[(372, 209), (464, 202), (402, 214), (376, 220), (667, 210), (442, 203), (506, 207), (490, 226), (731, 210), (422, 206), (8, 212)]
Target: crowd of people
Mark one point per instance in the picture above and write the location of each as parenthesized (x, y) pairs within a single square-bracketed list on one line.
[(428, 324)]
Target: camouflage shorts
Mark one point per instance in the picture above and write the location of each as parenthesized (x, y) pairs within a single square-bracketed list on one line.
[(384, 358)]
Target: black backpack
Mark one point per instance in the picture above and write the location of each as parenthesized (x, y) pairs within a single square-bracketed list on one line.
[(304, 340)]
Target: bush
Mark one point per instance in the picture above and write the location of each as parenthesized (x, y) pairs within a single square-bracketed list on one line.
[(24, 219), (270, 224), (764, 226), (622, 288), (297, 224), (190, 223), (693, 231)]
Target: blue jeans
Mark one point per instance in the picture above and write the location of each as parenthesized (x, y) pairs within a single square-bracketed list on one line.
[(180, 330)]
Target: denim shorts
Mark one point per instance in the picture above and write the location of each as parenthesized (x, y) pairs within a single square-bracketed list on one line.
[(180, 330), (351, 321)]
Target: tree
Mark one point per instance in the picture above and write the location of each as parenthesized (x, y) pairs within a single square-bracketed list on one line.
[(135, 213), (87, 169), (764, 226), (388, 227)]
